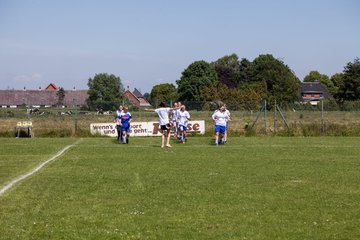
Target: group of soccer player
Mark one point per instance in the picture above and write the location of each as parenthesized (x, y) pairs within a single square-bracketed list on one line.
[(123, 119), (176, 119), (180, 122)]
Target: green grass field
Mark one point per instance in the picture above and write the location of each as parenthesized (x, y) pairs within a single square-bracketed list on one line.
[(251, 188)]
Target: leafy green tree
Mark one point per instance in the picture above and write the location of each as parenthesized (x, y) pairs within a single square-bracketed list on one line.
[(165, 92), (315, 76), (105, 91), (245, 74), (61, 96), (281, 82), (253, 92), (228, 70), (350, 89), (338, 80), (247, 97), (147, 96), (196, 75)]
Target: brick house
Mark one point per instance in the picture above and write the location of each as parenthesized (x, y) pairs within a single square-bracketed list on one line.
[(313, 93), (136, 98), (43, 98), (48, 97)]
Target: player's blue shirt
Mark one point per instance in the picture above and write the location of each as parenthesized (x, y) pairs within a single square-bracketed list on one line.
[(125, 118)]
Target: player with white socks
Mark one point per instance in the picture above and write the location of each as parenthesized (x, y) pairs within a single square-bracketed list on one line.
[(126, 118), (117, 120), (220, 117), (164, 122), (183, 118)]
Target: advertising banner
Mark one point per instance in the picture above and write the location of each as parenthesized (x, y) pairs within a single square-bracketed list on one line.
[(142, 128)]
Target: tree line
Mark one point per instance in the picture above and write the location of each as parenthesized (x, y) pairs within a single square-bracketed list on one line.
[(237, 82)]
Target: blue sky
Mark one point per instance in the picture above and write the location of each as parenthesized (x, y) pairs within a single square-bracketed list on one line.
[(151, 42)]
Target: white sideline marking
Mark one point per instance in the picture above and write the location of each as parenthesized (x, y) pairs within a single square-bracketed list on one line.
[(22, 177)]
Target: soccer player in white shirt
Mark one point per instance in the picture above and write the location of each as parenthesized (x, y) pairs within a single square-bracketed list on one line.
[(174, 119), (220, 117), (183, 118), (117, 120), (163, 113)]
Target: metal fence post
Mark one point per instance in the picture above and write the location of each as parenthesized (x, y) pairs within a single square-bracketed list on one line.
[(75, 115), (322, 116), (275, 119), (265, 115)]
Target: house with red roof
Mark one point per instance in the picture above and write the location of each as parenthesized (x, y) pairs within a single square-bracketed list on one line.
[(51, 87), (48, 97), (42, 97), (136, 98)]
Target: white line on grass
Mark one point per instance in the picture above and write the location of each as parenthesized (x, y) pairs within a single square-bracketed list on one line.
[(22, 177)]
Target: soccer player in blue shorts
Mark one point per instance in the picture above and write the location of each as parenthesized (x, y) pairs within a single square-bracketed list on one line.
[(126, 118), (183, 118), (220, 117), (174, 119)]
